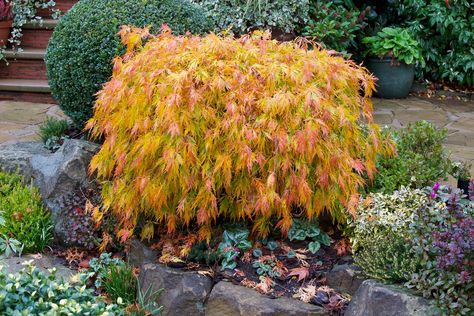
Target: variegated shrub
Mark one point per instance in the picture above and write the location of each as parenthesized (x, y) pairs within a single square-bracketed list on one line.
[(201, 129)]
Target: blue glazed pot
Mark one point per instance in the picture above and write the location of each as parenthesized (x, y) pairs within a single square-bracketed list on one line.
[(394, 78)]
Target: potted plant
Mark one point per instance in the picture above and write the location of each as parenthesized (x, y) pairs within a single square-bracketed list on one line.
[(461, 171), (6, 21), (392, 56)]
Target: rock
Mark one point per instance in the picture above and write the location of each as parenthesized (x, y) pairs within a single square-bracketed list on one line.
[(374, 299), (55, 174), (227, 299), (139, 254), (184, 292), (41, 261), (345, 278)]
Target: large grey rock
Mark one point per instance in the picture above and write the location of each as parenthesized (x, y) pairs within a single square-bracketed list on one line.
[(55, 174), (227, 299), (139, 254), (345, 278), (184, 292), (375, 299)]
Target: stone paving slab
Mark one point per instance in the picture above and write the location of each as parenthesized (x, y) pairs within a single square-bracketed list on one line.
[(20, 121), (457, 116)]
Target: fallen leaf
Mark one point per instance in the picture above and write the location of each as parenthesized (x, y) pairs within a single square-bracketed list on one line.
[(301, 272)]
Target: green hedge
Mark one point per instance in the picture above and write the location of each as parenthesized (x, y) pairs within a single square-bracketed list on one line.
[(80, 53)]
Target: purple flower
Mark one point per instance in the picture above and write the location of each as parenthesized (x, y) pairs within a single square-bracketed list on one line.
[(436, 187), (433, 195)]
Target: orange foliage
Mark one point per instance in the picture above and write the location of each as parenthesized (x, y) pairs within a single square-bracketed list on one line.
[(205, 128)]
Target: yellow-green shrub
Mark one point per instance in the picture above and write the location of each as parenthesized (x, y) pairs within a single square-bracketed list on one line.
[(201, 128)]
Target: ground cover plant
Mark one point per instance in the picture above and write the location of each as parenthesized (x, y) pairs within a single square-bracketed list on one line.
[(80, 52), (114, 278), (25, 226), (423, 238), (32, 292), (234, 129), (420, 161), (243, 16), (273, 266)]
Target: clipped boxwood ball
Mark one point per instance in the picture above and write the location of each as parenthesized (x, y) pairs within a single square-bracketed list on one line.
[(80, 52)]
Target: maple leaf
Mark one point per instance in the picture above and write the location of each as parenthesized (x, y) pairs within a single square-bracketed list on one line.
[(342, 247), (301, 272), (265, 285)]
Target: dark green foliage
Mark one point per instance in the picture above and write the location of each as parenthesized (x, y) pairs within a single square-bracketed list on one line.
[(52, 127), (304, 230), (80, 53), (22, 215), (420, 162), (234, 242), (394, 42), (201, 252), (335, 24), (445, 30), (121, 282), (115, 278)]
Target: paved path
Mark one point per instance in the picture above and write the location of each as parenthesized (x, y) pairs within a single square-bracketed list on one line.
[(456, 116), (19, 121)]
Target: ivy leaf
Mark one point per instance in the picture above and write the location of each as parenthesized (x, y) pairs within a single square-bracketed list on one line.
[(257, 252), (272, 245), (314, 246)]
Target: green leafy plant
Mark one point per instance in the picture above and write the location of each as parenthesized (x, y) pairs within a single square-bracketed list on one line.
[(100, 267), (304, 230), (24, 218), (461, 170), (53, 133), (444, 30), (335, 26), (443, 237), (267, 266), (234, 242), (10, 246), (32, 292), (53, 127), (23, 12), (380, 234), (146, 302), (421, 159), (121, 281), (243, 16), (117, 280), (396, 43), (424, 237), (202, 252), (298, 144), (80, 53)]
